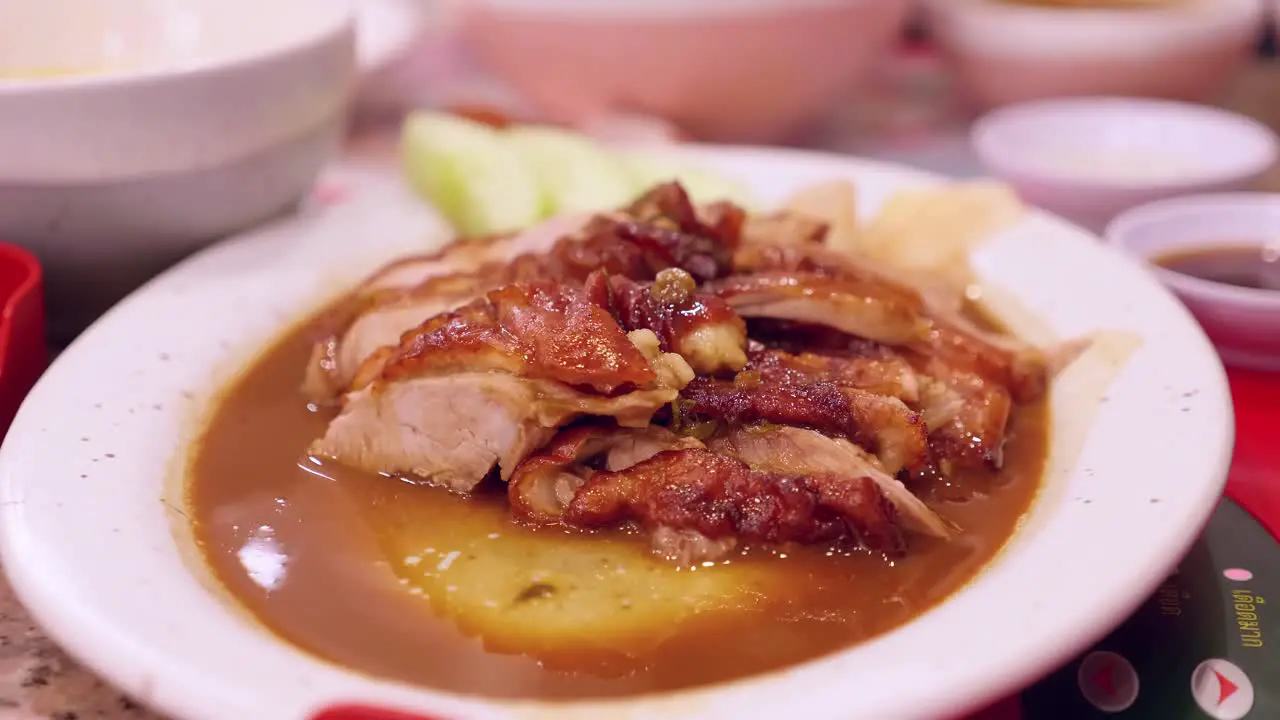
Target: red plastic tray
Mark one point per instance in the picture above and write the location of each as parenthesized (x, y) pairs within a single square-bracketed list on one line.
[(23, 349)]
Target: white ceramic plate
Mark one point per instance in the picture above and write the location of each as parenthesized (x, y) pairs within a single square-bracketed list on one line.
[(91, 548)]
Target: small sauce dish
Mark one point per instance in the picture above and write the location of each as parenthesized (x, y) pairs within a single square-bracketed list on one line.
[(1088, 159), (1220, 254)]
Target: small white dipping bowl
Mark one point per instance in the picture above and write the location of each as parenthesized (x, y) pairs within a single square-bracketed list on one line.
[(1244, 323), (1090, 158), (133, 132)]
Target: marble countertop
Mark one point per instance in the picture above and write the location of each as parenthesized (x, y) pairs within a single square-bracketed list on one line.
[(39, 680)]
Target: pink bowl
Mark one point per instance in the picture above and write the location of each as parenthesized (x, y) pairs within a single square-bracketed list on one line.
[(1005, 53), (729, 70)]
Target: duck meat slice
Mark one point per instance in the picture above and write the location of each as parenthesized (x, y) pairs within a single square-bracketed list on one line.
[(698, 326), (542, 486), (406, 292), (1011, 363), (1019, 366), (865, 307), (669, 205), (967, 416), (717, 497), (883, 373), (565, 250), (882, 424), (489, 383), (468, 254), (797, 450)]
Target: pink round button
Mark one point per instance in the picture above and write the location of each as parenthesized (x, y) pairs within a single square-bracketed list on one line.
[(1222, 689), (1108, 681)]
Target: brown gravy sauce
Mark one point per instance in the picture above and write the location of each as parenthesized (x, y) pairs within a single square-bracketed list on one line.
[(318, 555)]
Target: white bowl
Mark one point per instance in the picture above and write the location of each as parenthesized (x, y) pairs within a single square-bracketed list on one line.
[(94, 555), (180, 122), (1244, 323), (1090, 158), (387, 33), (1005, 53)]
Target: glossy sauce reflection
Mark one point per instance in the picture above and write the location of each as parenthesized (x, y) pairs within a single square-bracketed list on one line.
[(310, 550)]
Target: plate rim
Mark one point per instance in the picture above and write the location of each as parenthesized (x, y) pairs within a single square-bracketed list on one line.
[(70, 627)]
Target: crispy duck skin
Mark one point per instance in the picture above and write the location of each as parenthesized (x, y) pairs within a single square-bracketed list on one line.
[(718, 496), (964, 411), (540, 330), (796, 450), (617, 244), (966, 414), (1016, 365), (403, 293), (881, 424), (1021, 368), (571, 262), (491, 382), (724, 221), (865, 307), (883, 373), (699, 327), (542, 486)]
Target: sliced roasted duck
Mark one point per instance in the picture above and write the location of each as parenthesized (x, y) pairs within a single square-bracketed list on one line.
[(866, 307), (542, 486), (488, 383), (660, 231), (710, 377), (946, 333), (874, 369), (882, 424), (675, 497), (717, 496), (791, 449)]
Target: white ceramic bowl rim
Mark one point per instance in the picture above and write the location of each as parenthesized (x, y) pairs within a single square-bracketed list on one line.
[(1128, 224), (340, 17), (90, 550), (1255, 148)]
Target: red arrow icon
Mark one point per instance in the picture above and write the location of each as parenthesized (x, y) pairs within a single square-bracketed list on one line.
[(1226, 688), (1105, 680)]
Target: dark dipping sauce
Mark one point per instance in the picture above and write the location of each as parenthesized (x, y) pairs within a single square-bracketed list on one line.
[(337, 563), (1245, 265)]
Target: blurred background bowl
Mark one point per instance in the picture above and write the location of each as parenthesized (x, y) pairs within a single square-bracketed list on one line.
[(387, 32), (726, 70), (135, 132), (1243, 322), (1006, 53), (1091, 158)]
